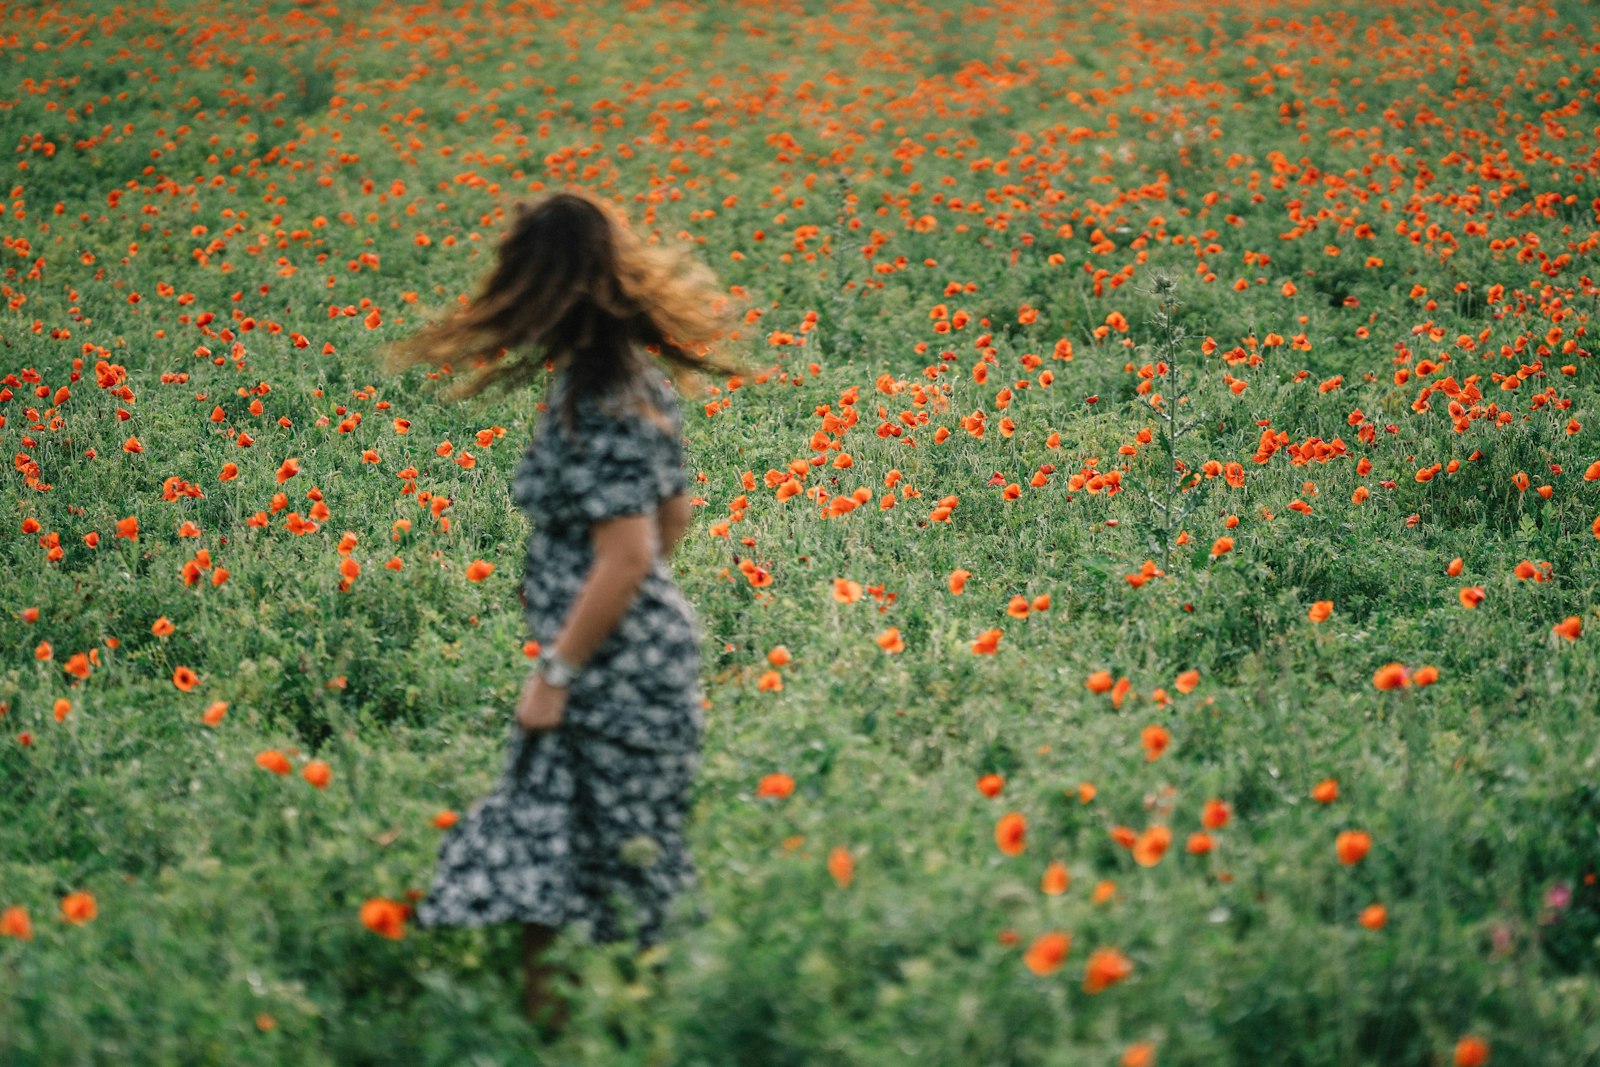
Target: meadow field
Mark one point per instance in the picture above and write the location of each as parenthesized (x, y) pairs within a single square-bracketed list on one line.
[(1147, 563)]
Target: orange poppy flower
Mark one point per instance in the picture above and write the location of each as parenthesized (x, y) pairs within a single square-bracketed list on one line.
[(1011, 833), (478, 570), (1373, 916), (1571, 627), (445, 819), (846, 591), (1352, 846), (185, 679), (273, 760), (317, 773), (1320, 610), (1391, 676), (14, 922), (842, 867), (1139, 1054), (1471, 596), (958, 580), (1187, 681), (1325, 791), (386, 918), (1098, 682), (779, 656), (1221, 547), (1105, 968), (1155, 740), (1047, 953), (1471, 1052), (162, 627), (1151, 846), (1055, 880), (890, 640), (769, 682), (1199, 843), (78, 908), (775, 785), (1215, 814), (214, 712), (987, 643), (991, 784)]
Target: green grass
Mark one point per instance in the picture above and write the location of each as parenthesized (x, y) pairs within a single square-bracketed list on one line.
[(1196, 141)]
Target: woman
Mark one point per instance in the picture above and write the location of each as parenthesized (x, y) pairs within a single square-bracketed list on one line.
[(590, 808)]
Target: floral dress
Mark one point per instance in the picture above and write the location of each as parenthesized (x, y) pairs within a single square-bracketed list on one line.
[(591, 813)]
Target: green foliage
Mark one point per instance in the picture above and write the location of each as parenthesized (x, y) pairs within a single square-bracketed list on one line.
[(279, 163)]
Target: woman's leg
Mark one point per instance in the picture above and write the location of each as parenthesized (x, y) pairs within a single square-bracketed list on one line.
[(540, 1002)]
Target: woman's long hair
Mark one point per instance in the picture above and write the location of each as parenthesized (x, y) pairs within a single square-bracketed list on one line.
[(574, 284)]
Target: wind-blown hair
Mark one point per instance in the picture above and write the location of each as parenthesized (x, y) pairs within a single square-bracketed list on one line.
[(573, 284)]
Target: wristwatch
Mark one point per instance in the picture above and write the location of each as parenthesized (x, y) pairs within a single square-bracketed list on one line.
[(555, 670)]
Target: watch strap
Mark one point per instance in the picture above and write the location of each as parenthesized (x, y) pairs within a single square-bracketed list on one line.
[(555, 669)]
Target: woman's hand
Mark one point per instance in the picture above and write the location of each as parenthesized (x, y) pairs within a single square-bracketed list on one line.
[(541, 705)]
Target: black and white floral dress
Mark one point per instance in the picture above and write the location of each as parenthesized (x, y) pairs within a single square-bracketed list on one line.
[(590, 814)]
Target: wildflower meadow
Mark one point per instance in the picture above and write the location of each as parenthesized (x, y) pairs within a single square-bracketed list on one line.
[(1148, 562)]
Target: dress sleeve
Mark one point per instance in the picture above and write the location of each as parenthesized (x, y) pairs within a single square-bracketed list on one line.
[(626, 466), (674, 478)]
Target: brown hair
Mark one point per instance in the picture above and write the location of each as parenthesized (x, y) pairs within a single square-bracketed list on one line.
[(574, 283)]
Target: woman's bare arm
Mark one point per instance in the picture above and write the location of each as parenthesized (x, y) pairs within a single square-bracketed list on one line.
[(624, 552), (671, 521)]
